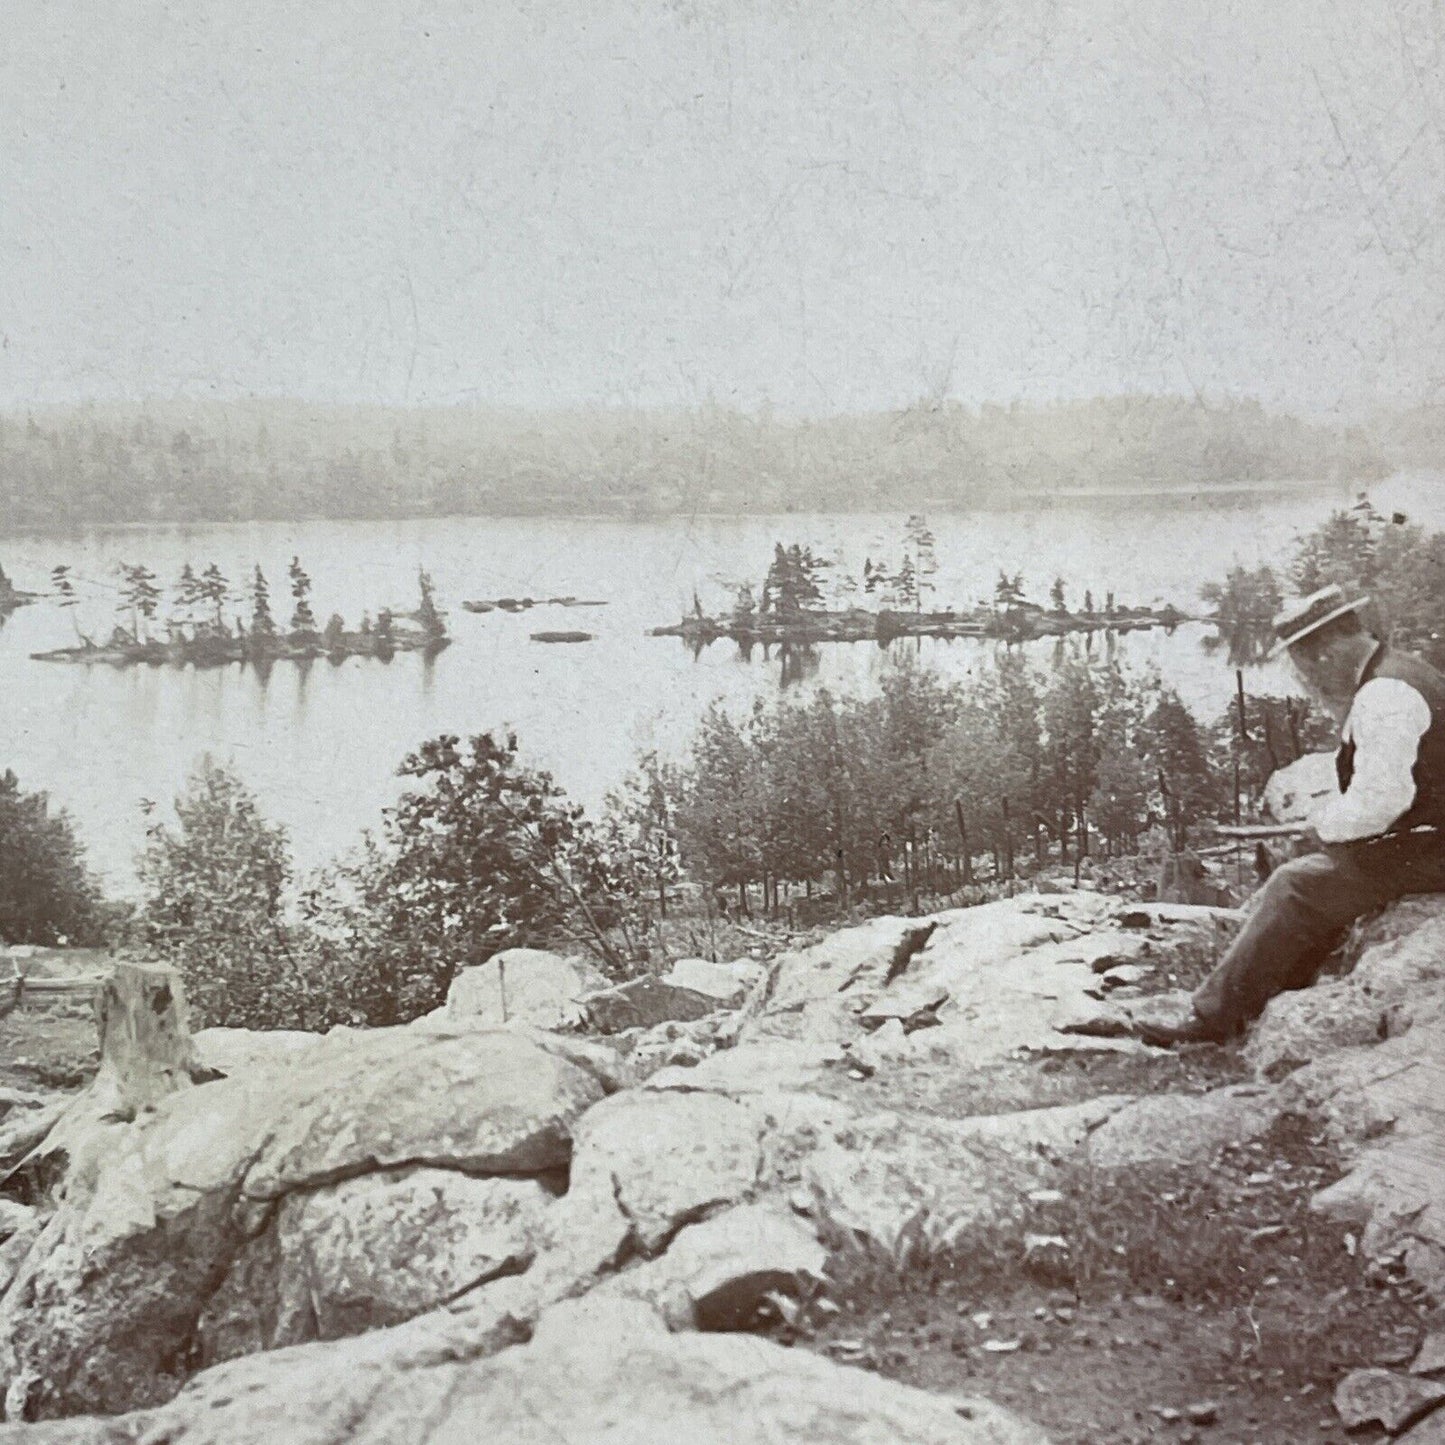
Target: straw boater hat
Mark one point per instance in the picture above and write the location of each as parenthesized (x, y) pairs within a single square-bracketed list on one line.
[(1306, 615)]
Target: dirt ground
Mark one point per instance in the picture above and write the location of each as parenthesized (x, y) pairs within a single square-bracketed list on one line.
[(1030, 1081), (1187, 1308), (49, 1045)]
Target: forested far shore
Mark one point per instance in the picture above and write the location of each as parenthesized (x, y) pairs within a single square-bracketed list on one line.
[(255, 460)]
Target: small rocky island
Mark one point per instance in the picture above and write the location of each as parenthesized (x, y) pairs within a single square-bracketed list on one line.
[(792, 609), (564, 636), (524, 604), (198, 631), (11, 597)]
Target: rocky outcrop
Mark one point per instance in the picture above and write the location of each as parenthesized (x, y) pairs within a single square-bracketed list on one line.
[(410, 1230), (369, 1251), (524, 985), (1364, 1053), (605, 1372), (642, 1003), (726, 984), (105, 1312)]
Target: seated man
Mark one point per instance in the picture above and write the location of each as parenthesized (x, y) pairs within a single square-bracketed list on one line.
[(1381, 834)]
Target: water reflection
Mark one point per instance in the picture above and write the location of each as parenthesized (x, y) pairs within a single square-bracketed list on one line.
[(1245, 644), (798, 663)]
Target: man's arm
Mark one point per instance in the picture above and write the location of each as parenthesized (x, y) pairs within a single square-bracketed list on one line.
[(1386, 723)]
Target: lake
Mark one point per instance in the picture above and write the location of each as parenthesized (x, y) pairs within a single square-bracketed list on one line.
[(321, 744)]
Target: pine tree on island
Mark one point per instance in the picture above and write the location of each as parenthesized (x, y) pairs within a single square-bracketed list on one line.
[(214, 591), (303, 620), (433, 623)]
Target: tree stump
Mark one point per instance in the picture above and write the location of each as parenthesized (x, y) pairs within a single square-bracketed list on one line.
[(146, 1054), (145, 1045)]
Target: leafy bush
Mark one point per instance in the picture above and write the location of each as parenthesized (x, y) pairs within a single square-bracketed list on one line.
[(47, 896), (212, 905), (487, 854)]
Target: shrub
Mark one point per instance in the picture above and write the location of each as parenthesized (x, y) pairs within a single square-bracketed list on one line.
[(47, 896), (212, 905), (486, 854)]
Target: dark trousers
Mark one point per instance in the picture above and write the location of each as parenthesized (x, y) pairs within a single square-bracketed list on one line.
[(1303, 910)]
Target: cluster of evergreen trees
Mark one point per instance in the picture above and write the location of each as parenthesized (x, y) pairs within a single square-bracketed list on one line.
[(248, 460), (204, 610), (925, 780)]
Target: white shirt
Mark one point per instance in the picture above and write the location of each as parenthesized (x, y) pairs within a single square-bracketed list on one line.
[(1386, 722)]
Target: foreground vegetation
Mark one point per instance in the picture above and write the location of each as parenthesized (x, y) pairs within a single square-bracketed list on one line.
[(1162, 1298)]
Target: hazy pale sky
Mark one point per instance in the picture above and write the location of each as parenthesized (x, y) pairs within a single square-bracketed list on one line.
[(829, 204)]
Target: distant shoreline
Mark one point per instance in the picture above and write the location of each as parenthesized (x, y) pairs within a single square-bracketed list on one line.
[(1203, 495)]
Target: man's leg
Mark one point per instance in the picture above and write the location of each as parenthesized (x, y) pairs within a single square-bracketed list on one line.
[(1302, 911)]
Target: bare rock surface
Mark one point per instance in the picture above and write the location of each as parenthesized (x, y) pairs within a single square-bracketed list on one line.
[(607, 1372), (668, 1157), (1430, 1431), (369, 1251), (882, 1174), (103, 1310), (1385, 1397), (644, 1002), (1180, 1129), (1022, 974), (528, 985), (1430, 1359), (726, 983), (456, 1231), (228, 1050), (1382, 1094), (717, 1274), (489, 1102)]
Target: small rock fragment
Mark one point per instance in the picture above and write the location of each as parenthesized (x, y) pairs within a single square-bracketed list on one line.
[(1431, 1359), (1124, 973), (1103, 1022), (1392, 1399)]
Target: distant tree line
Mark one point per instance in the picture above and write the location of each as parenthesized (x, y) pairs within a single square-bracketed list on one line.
[(249, 460)]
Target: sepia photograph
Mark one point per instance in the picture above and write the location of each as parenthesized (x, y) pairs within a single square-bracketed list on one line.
[(722, 721)]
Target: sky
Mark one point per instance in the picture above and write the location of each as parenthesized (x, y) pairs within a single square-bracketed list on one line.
[(819, 205)]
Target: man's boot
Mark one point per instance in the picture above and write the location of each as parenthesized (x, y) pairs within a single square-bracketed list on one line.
[(1170, 1018)]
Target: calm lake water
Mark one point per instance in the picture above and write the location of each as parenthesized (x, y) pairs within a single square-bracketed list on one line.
[(321, 744)]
